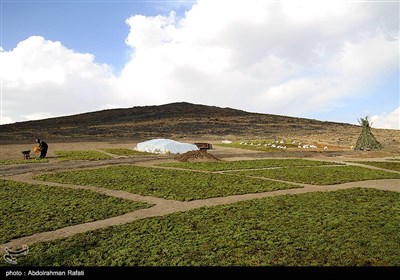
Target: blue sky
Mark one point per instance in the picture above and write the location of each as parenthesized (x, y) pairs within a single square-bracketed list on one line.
[(96, 27), (326, 60)]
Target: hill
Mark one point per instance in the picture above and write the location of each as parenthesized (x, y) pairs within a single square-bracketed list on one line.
[(179, 120)]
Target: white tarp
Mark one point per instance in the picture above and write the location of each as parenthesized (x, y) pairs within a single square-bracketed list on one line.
[(165, 146)]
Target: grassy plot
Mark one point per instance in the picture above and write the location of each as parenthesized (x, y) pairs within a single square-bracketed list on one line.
[(354, 227), (382, 164), (170, 184), (323, 175), (125, 152), (27, 209), (81, 155), (246, 164), (22, 161)]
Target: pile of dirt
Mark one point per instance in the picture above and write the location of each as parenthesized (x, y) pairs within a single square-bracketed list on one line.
[(201, 155)]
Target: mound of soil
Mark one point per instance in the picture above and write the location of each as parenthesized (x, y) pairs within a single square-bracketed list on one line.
[(201, 155)]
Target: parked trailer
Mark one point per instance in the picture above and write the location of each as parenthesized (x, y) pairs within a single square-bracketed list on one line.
[(203, 146)]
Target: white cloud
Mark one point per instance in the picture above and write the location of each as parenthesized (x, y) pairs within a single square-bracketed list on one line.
[(36, 61), (368, 59), (260, 55), (387, 120), (289, 58), (5, 120), (42, 78), (39, 116)]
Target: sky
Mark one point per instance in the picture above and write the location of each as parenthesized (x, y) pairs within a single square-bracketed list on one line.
[(326, 60)]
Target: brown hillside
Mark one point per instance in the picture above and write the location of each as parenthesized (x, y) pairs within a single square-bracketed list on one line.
[(183, 120)]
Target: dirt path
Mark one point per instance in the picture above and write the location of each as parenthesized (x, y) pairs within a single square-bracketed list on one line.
[(25, 172), (163, 207)]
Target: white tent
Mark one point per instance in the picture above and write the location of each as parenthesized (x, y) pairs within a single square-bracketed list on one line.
[(165, 146)]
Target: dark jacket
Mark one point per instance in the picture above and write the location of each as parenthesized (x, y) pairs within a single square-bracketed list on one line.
[(42, 145)]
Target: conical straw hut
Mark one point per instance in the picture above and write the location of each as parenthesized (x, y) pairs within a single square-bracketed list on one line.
[(366, 141)]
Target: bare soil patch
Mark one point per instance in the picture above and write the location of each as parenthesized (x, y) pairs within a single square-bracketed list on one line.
[(192, 156)]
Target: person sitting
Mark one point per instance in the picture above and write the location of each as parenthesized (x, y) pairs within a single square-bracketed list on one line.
[(42, 147)]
